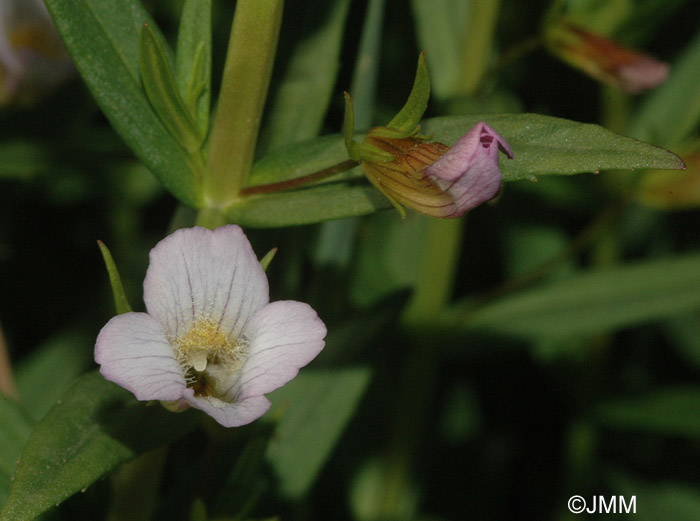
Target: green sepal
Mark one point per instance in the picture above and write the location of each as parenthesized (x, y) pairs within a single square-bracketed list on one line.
[(394, 202), (267, 259), (121, 303), (193, 60), (392, 133), (410, 115), (361, 151), (161, 90), (367, 152)]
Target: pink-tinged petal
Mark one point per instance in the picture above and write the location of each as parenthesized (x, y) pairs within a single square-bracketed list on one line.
[(641, 74), (132, 351), (230, 414), (283, 337), (196, 274), (469, 171)]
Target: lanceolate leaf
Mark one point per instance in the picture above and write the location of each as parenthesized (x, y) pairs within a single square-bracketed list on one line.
[(308, 205), (193, 59), (317, 406), (591, 302), (542, 145), (159, 84), (94, 427), (103, 39), (298, 105)]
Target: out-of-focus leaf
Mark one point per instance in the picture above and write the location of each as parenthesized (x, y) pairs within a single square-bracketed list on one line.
[(366, 71), (386, 259), (193, 60), (669, 190), (65, 357), (684, 330), (672, 111), (22, 160), (298, 106), (15, 428), (657, 500), (669, 412), (103, 39), (528, 247), (94, 427), (441, 27), (316, 406), (591, 302)]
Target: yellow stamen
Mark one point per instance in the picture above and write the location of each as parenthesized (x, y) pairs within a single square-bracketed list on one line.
[(208, 353)]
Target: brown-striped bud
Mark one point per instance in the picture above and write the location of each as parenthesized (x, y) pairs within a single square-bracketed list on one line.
[(434, 179)]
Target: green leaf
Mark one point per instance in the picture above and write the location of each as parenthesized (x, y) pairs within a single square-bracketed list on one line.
[(543, 145), (193, 60), (591, 302), (15, 428), (103, 39), (672, 111), (669, 412), (94, 427), (410, 115), (317, 406), (64, 356), (121, 303), (161, 90), (308, 205), (299, 104), (657, 499), (385, 260)]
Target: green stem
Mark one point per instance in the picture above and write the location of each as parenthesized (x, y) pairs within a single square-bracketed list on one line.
[(421, 366), (477, 45), (210, 218), (247, 72), (300, 181)]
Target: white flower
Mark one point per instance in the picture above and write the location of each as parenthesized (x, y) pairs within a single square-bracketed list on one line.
[(211, 339), (33, 60)]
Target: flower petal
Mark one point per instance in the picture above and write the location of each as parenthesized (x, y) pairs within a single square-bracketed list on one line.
[(196, 274), (469, 171), (133, 352), (230, 414), (283, 337)]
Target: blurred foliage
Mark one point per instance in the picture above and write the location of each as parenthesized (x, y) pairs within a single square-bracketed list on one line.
[(559, 351)]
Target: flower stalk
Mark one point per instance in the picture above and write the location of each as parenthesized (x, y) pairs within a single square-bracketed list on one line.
[(300, 181)]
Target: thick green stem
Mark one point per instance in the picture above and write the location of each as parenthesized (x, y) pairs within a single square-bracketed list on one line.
[(247, 72), (477, 45)]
